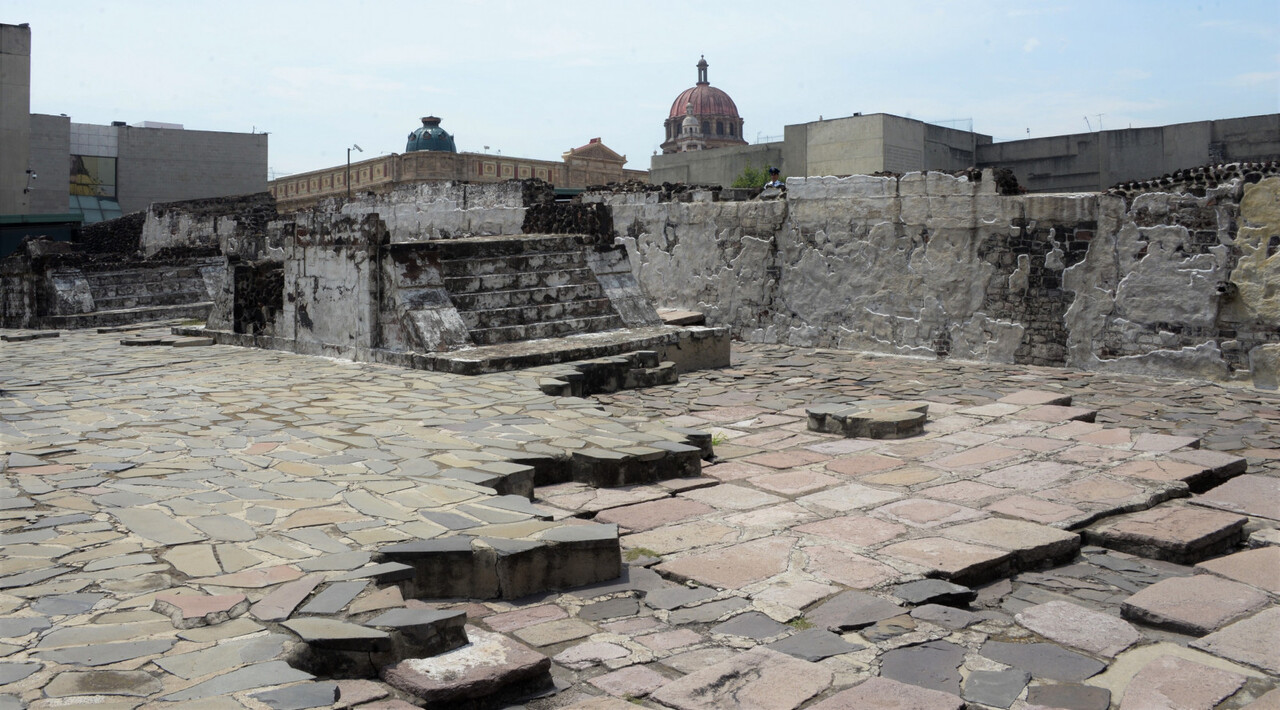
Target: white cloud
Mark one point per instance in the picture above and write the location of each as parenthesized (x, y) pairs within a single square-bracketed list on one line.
[(1255, 78), (1030, 45)]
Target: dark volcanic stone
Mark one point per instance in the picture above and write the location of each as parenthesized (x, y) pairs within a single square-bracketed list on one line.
[(934, 665), (814, 645), (998, 688), (1070, 696), (1043, 660), (934, 591)]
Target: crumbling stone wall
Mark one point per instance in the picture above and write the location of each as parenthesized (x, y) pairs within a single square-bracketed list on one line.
[(122, 235), (939, 265), (443, 210), (234, 225)]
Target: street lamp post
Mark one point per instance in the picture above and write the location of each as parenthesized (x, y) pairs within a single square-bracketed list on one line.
[(357, 147)]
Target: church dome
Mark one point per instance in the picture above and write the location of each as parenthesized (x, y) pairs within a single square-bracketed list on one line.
[(430, 137), (705, 111), (706, 99)]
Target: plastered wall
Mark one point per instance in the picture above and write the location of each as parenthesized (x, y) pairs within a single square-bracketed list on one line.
[(935, 265)]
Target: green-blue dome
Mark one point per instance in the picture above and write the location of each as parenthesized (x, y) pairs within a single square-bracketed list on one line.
[(430, 137)]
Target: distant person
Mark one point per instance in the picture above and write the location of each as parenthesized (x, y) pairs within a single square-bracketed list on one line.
[(775, 179)]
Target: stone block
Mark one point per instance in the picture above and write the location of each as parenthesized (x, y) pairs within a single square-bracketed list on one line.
[(1250, 494), (1180, 534), (952, 560), (1172, 682), (1032, 545), (1194, 605), (491, 666)]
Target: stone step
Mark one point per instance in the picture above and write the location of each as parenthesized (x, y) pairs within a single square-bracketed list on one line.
[(526, 296), (124, 316), (529, 315), (509, 245), (546, 329), (513, 264), (149, 300), (508, 282), (128, 276), (692, 348)]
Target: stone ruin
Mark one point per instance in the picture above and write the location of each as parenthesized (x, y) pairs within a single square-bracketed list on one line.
[(468, 280)]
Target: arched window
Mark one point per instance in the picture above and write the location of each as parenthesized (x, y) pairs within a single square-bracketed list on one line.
[(719, 128), (731, 129), (706, 128)]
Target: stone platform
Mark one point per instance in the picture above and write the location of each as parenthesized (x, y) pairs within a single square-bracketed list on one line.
[(226, 528)]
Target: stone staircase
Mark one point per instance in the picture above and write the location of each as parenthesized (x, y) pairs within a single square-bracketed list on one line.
[(139, 294), (142, 287), (525, 289)]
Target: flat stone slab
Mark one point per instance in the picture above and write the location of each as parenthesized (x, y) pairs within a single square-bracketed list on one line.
[(853, 610), (759, 678), (1181, 534), (1251, 641), (814, 645), (1194, 605), (735, 566), (934, 665), (1172, 682), (1250, 494), (886, 693), (1259, 567), (995, 688), (1035, 398), (1068, 696), (484, 667), (1073, 625), (1043, 660)]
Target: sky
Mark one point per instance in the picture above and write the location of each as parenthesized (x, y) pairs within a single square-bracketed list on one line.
[(534, 79)]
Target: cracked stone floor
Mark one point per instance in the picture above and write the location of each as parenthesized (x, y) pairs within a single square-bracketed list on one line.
[(1053, 539)]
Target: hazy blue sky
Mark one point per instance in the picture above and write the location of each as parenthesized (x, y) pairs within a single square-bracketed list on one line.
[(534, 79)]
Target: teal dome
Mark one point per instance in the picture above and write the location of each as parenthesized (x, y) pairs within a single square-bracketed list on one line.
[(430, 137)]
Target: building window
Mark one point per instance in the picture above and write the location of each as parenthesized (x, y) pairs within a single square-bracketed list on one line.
[(93, 176), (731, 129), (719, 128), (706, 128)]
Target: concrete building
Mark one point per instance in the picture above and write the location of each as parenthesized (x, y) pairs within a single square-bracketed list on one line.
[(1099, 160), (50, 165), (1086, 162), (853, 145)]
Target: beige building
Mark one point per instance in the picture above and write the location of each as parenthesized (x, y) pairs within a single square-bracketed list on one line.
[(430, 156)]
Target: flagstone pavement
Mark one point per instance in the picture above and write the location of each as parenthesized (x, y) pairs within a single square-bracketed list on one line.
[(176, 523)]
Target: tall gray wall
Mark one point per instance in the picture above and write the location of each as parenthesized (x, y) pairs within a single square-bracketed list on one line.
[(1096, 161), (167, 165), (15, 110), (51, 159)]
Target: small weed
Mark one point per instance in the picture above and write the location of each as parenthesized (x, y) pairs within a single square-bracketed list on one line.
[(800, 624), (636, 553), (718, 439)]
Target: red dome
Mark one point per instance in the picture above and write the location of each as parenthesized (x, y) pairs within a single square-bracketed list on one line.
[(706, 99)]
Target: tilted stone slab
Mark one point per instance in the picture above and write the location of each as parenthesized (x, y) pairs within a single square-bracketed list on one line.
[(339, 649), (1194, 605), (191, 610), (1180, 534), (1043, 660), (1033, 545), (1250, 641), (491, 665)]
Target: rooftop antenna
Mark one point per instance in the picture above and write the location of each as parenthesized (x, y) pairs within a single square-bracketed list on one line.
[(1090, 125), (1100, 115)]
